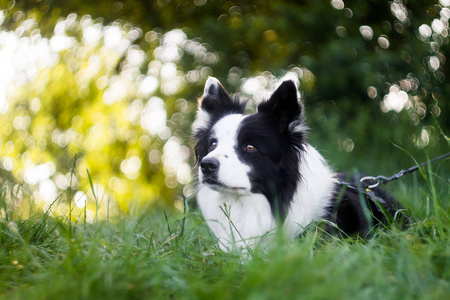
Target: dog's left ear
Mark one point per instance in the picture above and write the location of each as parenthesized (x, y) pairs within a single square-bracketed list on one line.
[(214, 104), (283, 105)]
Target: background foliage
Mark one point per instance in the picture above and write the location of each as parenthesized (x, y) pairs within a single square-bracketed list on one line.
[(111, 86)]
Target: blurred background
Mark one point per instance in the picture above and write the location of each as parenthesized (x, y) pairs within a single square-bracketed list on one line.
[(97, 97)]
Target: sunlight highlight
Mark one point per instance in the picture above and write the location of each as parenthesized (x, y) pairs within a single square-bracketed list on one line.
[(395, 100), (262, 86)]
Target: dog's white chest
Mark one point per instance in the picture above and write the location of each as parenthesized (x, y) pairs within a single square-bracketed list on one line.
[(241, 221)]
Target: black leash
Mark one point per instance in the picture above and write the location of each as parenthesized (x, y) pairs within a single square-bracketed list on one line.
[(371, 182)]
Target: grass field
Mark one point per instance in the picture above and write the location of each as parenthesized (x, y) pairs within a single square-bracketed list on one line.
[(154, 254)]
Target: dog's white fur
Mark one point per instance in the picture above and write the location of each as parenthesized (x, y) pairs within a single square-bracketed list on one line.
[(240, 218)]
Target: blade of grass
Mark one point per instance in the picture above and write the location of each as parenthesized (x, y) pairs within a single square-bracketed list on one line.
[(70, 194), (93, 193)]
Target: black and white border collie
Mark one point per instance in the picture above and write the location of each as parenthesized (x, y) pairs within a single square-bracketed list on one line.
[(257, 172)]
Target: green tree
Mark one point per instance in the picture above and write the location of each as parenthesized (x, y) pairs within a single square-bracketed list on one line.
[(117, 83)]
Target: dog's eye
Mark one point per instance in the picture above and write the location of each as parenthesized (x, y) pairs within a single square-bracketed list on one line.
[(213, 145), (250, 148)]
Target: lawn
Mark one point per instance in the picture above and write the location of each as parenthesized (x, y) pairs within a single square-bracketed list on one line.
[(162, 254)]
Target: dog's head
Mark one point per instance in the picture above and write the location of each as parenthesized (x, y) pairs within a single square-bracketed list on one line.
[(256, 153)]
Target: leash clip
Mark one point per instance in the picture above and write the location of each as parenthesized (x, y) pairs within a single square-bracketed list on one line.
[(375, 181)]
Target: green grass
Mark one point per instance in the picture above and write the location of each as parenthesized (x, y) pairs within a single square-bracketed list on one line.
[(154, 254)]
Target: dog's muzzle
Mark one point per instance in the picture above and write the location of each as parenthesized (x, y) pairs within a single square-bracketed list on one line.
[(209, 168)]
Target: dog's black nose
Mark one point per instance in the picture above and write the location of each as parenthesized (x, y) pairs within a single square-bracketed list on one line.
[(209, 166)]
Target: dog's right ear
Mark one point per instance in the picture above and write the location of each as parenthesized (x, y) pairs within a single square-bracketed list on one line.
[(284, 108), (214, 104)]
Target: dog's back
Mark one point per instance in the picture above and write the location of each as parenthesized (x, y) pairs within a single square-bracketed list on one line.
[(357, 209)]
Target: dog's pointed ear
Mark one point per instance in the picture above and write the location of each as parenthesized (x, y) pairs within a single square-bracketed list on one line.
[(283, 105), (213, 94), (214, 103), (213, 89), (215, 98)]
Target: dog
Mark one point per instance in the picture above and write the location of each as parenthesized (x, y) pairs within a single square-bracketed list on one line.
[(258, 174)]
